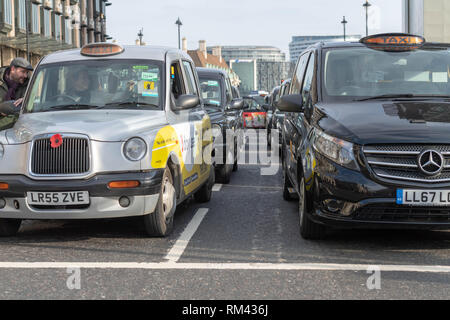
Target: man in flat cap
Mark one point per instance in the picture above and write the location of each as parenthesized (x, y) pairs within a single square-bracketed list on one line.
[(13, 84)]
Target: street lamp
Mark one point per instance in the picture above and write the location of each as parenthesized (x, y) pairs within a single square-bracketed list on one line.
[(344, 22), (140, 35), (178, 22), (366, 6)]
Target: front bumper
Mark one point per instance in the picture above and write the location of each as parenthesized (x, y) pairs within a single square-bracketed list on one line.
[(104, 202), (346, 198)]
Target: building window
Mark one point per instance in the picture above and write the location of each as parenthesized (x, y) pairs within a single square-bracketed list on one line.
[(68, 31), (46, 31), (35, 18), (7, 11), (57, 25), (21, 15)]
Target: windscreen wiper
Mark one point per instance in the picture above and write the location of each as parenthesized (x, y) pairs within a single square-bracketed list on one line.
[(120, 104), (405, 96), (74, 107)]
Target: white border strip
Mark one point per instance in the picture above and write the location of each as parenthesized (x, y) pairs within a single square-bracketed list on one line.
[(182, 242), (225, 266), (217, 187)]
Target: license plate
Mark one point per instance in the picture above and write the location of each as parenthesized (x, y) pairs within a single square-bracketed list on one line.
[(423, 197), (58, 198)]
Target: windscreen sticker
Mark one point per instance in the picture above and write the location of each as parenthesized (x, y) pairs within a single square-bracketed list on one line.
[(148, 88), (213, 83), (214, 102), (440, 77), (151, 76), (140, 67)]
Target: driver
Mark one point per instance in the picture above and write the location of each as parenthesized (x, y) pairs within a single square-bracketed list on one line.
[(78, 86)]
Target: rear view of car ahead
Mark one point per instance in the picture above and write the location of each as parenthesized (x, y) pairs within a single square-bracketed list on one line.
[(224, 110), (366, 135), (107, 132)]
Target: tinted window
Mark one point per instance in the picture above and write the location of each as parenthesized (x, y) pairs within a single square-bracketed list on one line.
[(358, 72), (296, 83), (306, 89), (211, 90)]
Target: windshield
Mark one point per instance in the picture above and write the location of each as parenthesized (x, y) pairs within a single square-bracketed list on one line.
[(211, 91), (125, 84), (355, 73)]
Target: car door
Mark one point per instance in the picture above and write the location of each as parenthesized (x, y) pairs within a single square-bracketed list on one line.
[(291, 130), (302, 148), (186, 127)]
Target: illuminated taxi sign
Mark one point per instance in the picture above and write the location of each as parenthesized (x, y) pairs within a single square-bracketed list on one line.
[(101, 49), (393, 42)]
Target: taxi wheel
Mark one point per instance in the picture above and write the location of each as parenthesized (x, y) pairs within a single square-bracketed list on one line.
[(205, 192), (9, 227), (160, 222), (286, 186), (225, 170), (235, 165), (308, 229)]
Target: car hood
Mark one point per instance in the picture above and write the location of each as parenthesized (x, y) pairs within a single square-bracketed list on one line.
[(101, 125), (386, 121)]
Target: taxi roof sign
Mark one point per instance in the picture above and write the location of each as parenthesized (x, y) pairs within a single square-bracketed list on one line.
[(393, 42), (101, 49)]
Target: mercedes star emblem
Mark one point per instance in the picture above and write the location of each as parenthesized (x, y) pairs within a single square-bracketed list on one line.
[(430, 162)]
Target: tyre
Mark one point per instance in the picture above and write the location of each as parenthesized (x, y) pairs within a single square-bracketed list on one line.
[(286, 186), (308, 229), (235, 165), (205, 192), (224, 171), (160, 222), (9, 227)]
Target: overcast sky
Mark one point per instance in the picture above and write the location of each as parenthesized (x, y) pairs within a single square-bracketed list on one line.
[(245, 22)]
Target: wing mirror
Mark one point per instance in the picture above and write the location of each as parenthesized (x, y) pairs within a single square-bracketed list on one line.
[(291, 103), (237, 104), (187, 101)]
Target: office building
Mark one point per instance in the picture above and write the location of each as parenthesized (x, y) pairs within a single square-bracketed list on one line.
[(52, 25), (300, 43)]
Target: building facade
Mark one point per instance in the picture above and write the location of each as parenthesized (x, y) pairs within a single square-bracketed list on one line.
[(52, 25), (300, 43), (428, 18), (213, 60), (271, 66)]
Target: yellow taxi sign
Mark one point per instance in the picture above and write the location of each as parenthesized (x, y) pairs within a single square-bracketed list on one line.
[(101, 49), (393, 42)]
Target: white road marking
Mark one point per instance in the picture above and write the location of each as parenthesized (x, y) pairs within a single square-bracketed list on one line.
[(182, 242), (225, 266), (217, 187)]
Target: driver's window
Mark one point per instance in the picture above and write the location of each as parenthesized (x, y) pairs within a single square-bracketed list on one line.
[(307, 83), (35, 96), (176, 80)]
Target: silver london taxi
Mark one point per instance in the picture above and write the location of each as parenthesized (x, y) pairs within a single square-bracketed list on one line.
[(107, 131)]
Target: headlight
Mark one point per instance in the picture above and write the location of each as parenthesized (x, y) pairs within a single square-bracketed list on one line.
[(135, 149), (2, 150), (337, 150)]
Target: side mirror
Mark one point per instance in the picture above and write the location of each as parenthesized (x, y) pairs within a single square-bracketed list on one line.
[(237, 104), (8, 108), (187, 101), (291, 103)]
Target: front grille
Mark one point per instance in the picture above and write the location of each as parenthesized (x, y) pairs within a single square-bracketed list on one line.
[(397, 213), (72, 157), (399, 162)]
